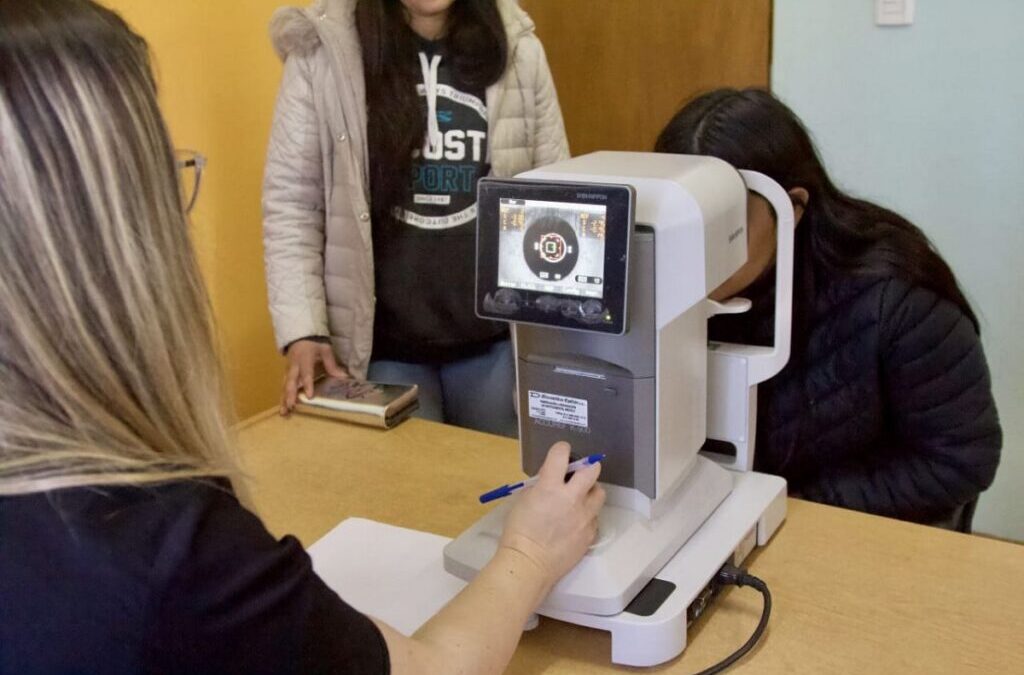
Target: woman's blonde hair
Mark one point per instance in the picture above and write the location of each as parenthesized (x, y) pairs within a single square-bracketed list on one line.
[(108, 367)]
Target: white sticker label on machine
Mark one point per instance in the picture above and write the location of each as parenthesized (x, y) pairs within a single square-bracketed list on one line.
[(560, 409)]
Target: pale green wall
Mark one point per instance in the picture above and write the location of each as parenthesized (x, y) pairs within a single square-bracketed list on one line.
[(928, 119)]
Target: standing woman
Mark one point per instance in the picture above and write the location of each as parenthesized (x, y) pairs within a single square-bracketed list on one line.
[(886, 403), (389, 113)]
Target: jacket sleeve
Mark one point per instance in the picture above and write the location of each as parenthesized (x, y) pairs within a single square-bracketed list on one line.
[(549, 143), (938, 396), (293, 210)]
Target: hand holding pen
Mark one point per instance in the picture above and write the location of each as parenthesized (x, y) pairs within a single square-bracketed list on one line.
[(509, 488), (555, 521)]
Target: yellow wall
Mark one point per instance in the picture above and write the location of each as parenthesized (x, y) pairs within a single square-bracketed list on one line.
[(218, 77)]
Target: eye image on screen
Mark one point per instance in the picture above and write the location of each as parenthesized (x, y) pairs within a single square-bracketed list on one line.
[(552, 247)]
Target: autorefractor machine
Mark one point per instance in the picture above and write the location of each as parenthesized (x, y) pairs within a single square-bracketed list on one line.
[(603, 264)]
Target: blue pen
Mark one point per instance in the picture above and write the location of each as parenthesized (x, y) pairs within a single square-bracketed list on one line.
[(506, 490)]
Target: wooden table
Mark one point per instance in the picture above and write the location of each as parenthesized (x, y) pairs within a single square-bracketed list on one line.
[(852, 593)]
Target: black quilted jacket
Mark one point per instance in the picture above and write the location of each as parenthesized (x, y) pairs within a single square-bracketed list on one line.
[(886, 404)]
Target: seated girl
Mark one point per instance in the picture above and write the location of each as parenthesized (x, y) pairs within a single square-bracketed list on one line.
[(886, 403)]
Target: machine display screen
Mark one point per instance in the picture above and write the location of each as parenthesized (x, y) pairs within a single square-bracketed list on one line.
[(553, 247), (554, 254)]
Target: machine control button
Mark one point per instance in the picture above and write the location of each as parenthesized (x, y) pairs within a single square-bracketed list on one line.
[(591, 311), (547, 303), (504, 301)]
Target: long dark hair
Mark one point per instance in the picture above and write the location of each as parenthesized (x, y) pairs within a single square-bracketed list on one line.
[(478, 48), (751, 129)]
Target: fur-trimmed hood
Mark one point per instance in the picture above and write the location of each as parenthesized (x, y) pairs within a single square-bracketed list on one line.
[(293, 29)]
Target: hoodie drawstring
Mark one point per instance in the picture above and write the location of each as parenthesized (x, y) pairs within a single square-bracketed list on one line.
[(434, 138)]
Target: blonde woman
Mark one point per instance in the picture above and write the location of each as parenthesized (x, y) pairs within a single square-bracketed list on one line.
[(122, 545)]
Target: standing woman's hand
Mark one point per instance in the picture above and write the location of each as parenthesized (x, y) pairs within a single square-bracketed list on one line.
[(303, 357)]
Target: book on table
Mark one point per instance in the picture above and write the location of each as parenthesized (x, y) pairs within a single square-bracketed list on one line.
[(376, 404)]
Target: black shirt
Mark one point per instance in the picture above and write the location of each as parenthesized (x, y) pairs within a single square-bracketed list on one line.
[(425, 253), (176, 578)]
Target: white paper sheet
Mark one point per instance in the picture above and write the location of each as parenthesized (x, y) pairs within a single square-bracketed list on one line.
[(390, 573)]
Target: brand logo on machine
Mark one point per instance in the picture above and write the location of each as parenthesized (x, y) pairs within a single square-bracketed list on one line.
[(592, 195), (738, 232)]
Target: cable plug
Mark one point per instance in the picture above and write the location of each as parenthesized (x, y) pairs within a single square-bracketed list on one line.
[(730, 575)]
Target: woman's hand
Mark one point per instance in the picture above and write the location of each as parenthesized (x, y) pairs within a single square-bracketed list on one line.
[(303, 356), (546, 533), (554, 522)]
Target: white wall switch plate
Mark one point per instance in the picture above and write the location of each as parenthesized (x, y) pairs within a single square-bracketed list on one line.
[(894, 12)]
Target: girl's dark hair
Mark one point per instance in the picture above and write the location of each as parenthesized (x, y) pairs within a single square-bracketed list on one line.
[(396, 121), (751, 129)]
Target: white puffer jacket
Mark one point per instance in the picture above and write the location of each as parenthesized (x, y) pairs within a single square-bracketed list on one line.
[(316, 208)]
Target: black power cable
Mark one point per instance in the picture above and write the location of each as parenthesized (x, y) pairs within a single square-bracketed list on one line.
[(730, 575)]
